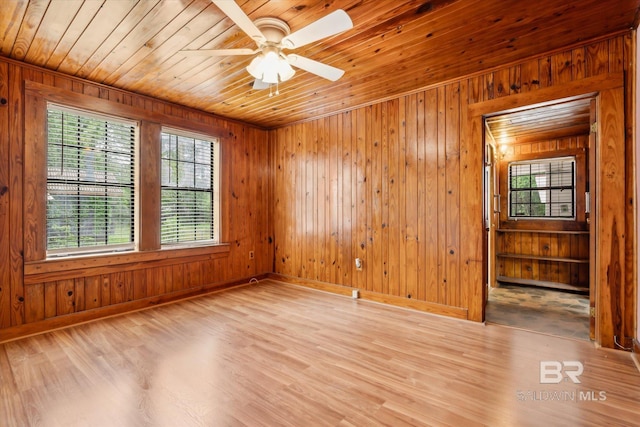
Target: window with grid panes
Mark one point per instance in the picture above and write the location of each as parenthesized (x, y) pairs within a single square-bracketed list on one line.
[(190, 196), (90, 182), (543, 189)]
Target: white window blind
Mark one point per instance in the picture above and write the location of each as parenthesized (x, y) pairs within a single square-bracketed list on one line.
[(90, 182), (190, 205)]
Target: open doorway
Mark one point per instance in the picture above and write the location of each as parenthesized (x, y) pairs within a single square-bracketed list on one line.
[(538, 175)]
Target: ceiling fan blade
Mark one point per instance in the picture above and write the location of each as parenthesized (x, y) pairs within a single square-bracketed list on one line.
[(334, 23), (237, 15), (259, 84), (315, 67), (218, 52)]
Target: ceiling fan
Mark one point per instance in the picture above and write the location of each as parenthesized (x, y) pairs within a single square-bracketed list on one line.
[(272, 35)]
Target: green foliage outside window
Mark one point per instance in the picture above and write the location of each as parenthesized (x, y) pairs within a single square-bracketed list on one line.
[(526, 202)]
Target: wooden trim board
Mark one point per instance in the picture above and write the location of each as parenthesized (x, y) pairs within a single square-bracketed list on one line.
[(429, 307), (73, 319)]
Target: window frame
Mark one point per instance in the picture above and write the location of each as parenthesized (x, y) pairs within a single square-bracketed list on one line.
[(216, 174), (105, 248), (147, 216), (574, 188)]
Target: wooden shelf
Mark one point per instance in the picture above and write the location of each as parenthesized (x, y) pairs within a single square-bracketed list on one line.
[(544, 258), (553, 262), (518, 230), (542, 283)]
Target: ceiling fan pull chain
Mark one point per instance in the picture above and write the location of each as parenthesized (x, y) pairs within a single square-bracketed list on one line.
[(271, 93)]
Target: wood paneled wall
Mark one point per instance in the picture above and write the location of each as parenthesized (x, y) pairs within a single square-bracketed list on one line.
[(398, 184), (545, 148), (380, 183), (36, 295)]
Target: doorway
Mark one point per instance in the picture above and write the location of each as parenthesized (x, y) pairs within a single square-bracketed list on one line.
[(538, 175)]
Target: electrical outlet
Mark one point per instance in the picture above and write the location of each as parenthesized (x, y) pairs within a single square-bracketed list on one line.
[(250, 254)]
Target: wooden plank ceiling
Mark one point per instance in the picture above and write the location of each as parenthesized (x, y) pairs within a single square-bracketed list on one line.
[(539, 123), (394, 48)]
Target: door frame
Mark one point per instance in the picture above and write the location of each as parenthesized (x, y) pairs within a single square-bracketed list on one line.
[(493, 174), (609, 261)]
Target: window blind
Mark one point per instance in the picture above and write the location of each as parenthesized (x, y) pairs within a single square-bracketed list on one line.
[(542, 188), (90, 182), (189, 198)]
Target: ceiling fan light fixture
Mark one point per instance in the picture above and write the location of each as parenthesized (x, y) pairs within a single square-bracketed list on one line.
[(285, 70), (272, 35), (270, 76), (270, 68), (256, 67)]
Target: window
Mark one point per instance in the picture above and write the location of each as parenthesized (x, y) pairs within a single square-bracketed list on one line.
[(190, 189), (90, 182), (542, 188)]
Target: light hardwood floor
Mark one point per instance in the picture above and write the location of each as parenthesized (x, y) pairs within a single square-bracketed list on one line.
[(278, 354)]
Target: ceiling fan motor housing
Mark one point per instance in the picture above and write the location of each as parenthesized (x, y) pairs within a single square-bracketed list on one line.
[(273, 29)]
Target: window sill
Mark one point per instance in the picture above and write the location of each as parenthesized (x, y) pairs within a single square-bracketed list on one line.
[(547, 225), (121, 259), (191, 245)]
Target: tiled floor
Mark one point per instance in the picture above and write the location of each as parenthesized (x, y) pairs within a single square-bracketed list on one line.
[(542, 310)]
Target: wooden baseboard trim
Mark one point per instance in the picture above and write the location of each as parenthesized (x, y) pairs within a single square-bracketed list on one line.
[(69, 320), (429, 307), (322, 286)]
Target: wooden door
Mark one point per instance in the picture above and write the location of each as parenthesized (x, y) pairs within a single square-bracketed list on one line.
[(489, 268), (490, 214), (486, 255), (591, 217)]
